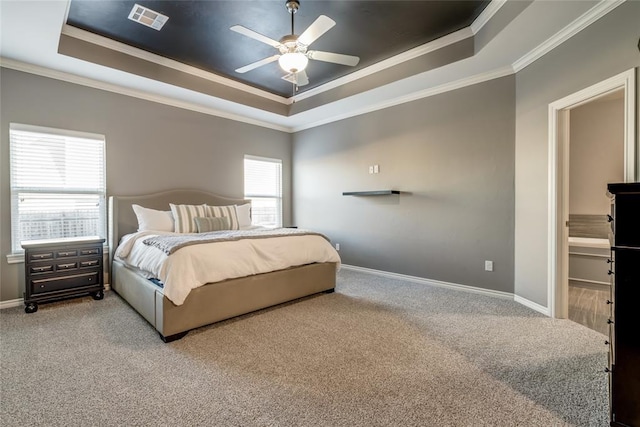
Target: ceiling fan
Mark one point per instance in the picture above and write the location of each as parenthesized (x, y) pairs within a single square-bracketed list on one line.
[(293, 55)]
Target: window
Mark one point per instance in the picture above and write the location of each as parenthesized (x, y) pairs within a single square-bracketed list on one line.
[(57, 184), (263, 185)]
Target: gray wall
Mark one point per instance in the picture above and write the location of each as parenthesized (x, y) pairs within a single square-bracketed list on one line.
[(150, 147), (596, 155), (452, 153), (602, 50)]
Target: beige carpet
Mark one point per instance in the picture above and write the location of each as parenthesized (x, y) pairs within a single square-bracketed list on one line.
[(378, 352)]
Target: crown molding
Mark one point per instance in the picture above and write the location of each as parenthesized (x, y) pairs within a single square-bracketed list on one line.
[(80, 34), (595, 13), (135, 93), (424, 49), (492, 8), (487, 13), (458, 84), (96, 84), (579, 24)]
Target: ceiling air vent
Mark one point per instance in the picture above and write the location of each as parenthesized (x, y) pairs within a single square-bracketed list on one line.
[(147, 17)]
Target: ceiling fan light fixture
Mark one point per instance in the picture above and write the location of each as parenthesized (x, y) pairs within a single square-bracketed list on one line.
[(293, 62)]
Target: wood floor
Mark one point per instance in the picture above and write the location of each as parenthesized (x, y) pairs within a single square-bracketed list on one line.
[(587, 305)]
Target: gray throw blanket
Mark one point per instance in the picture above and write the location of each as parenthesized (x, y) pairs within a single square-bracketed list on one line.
[(171, 243)]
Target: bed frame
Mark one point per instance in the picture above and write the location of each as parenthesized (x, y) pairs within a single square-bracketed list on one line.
[(212, 302)]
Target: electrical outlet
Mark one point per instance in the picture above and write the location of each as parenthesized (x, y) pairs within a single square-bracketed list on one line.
[(370, 169), (488, 266), (376, 169), (337, 246)]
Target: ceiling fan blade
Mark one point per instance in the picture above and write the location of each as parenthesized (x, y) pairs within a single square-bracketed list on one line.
[(257, 64), (315, 30), (256, 36), (336, 58), (298, 79)]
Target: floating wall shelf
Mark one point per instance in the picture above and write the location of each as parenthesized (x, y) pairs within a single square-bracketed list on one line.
[(371, 193)]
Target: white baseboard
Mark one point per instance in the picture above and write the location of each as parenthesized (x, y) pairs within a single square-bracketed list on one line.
[(532, 305), (11, 303), (439, 283), (20, 301)]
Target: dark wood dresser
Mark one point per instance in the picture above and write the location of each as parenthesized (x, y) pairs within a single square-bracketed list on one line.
[(624, 331), (62, 268)]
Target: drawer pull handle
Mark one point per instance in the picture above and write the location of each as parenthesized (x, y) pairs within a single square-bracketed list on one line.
[(63, 266), (89, 263), (90, 252), (41, 269), (609, 218), (66, 253), (42, 256)]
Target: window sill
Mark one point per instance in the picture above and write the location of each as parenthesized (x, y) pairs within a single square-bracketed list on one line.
[(15, 258), (18, 258)]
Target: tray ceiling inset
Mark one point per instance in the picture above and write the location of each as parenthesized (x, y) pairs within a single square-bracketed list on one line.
[(197, 32)]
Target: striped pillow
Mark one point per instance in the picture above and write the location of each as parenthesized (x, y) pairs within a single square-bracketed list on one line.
[(227, 212), (183, 216), (208, 224)]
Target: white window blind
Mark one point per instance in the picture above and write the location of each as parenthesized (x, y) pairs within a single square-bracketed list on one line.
[(263, 186), (57, 184)]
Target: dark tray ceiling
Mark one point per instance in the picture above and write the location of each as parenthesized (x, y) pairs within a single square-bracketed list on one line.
[(197, 32)]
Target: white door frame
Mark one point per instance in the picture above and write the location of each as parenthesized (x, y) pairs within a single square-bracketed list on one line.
[(558, 215)]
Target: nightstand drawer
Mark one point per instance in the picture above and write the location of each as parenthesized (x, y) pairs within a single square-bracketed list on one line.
[(41, 269), (89, 263), (65, 282), (67, 266), (39, 256), (66, 253), (90, 251)]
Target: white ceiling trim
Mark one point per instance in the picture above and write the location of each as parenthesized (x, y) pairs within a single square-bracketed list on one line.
[(492, 8), (97, 84), (586, 19), (447, 40), (458, 84), (96, 39), (424, 49), (488, 12), (579, 24)]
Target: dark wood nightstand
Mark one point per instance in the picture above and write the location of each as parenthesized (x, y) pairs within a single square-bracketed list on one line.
[(62, 268)]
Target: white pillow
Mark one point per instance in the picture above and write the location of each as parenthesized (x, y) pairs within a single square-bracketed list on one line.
[(244, 215), (151, 219)]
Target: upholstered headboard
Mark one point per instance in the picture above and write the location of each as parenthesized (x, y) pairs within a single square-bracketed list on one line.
[(122, 219)]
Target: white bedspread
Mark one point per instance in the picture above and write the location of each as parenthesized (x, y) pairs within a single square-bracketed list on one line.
[(193, 266)]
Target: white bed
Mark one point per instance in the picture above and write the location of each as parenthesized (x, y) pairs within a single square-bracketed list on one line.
[(209, 282)]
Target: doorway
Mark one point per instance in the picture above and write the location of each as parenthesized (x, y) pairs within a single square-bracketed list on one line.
[(596, 158), (622, 86)]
